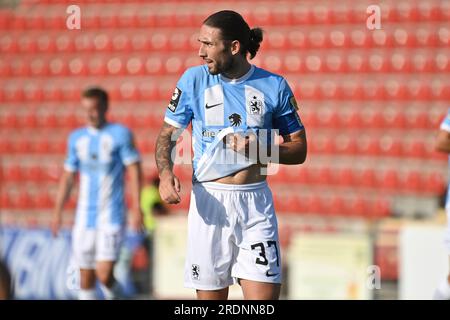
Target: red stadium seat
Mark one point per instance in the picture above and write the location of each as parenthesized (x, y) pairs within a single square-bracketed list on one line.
[(403, 38), (39, 68), (422, 63), (97, 66), (395, 90), (313, 204), (425, 38), (339, 39), (139, 42), (415, 148), (45, 43), (344, 177), (77, 67), (328, 118), (159, 41), (116, 66), (296, 39), (337, 205), (440, 90), (42, 147), (301, 15), (378, 63), (65, 43), (399, 63), (389, 146), (281, 15), (381, 207), (357, 63), (357, 206), (179, 42), (20, 68), (4, 69), (441, 63), (317, 39), (165, 19), (8, 44), (368, 146), (29, 120), (359, 38), (412, 182), (390, 180), (13, 173), (154, 65), (335, 63), (367, 178), (27, 44), (174, 65), (9, 120), (44, 200), (293, 63), (434, 183), (394, 118), (276, 40), (121, 42)]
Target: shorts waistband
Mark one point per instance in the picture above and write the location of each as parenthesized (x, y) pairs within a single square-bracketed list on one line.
[(233, 187)]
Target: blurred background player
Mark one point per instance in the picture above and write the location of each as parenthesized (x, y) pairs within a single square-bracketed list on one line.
[(232, 227), (443, 145), (100, 152), (152, 207), (5, 282)]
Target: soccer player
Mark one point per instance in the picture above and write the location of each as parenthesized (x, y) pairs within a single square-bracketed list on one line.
[(5, 282), (232, 227), (100, 152), (443, 145)]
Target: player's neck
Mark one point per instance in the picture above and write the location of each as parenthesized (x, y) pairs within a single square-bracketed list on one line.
[(238, 71), (100, 125)]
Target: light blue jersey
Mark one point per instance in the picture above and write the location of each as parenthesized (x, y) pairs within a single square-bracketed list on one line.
[(100, 156), (212, 103), (445, 125)]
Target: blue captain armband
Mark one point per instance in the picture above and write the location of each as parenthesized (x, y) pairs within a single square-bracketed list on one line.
[(288, 123)]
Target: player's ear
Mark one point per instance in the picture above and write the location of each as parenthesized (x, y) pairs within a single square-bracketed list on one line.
[(235, 47)]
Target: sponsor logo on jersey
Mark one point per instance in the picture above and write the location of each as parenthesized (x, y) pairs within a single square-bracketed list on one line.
[(173, 104), (208, 134), (212, 105), (235, 120)]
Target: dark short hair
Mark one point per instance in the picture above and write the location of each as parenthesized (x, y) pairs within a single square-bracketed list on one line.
[(233, 27), (98, 93)]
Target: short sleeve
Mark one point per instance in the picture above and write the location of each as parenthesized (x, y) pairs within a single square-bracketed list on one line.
[(445, 125), (179, 110), (285, 116), (128, 152), (72, 162)]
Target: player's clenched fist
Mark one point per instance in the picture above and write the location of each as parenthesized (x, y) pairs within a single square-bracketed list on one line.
[(169, 187)]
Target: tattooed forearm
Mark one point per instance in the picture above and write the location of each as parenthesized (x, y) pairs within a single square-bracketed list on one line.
[(164, 146)]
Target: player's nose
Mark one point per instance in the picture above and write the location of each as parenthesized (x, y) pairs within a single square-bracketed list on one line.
[(201, 52)]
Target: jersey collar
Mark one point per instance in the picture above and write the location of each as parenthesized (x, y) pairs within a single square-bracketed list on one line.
[(241, 79)]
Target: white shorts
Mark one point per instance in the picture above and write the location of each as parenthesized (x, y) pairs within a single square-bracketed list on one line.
[(232, 234), (92, 245)]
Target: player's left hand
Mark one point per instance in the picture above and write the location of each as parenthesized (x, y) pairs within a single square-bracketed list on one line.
[(136, 221)]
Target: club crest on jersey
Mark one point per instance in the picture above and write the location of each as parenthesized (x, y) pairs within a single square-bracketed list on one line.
[(255, 105), (235, 120), (195, 272), (174, 100)]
